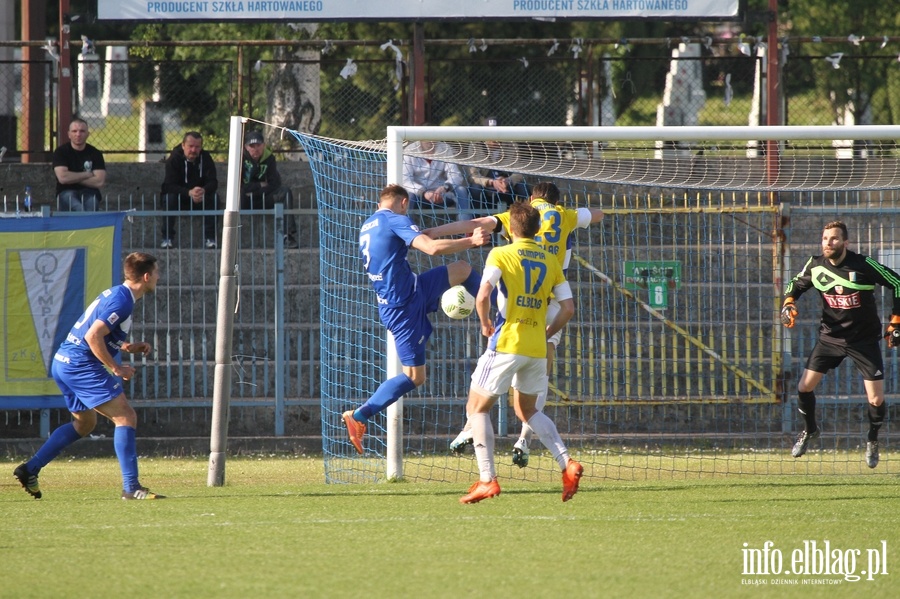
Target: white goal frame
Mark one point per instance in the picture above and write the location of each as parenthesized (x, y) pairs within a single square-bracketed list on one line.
[(772, 136)]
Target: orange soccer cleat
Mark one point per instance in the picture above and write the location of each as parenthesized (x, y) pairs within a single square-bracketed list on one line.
[(571, 477), (481, 490), (356, 429)]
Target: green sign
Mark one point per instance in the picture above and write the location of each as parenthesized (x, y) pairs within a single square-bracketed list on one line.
[(657, 277)]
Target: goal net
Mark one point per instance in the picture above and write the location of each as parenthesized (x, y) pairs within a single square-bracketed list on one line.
[(675, 363)]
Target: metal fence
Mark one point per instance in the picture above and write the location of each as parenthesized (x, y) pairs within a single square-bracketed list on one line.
[(174, 385), (358, 88)]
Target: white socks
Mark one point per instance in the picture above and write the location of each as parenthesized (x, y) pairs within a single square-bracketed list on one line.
[(546, 430), (483, 439)]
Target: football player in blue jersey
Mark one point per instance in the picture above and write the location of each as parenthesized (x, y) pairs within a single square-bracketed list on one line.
[(405, 298), (90, 377)]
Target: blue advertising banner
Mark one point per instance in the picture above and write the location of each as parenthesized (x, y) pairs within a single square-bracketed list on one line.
[(50, 270)]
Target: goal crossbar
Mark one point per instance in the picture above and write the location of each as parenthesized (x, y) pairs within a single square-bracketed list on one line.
[(763, 158), (589, 134)]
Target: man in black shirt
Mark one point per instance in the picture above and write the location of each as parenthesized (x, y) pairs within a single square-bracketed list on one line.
[(190, 184), (80, 171), (850, 327)]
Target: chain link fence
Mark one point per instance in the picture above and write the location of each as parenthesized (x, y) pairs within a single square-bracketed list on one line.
[(139, 107)]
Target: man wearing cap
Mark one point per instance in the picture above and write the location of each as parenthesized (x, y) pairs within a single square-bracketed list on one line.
[(261, 183), (494, 189)]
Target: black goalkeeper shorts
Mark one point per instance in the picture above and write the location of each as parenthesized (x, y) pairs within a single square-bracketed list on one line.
[(866, 356)]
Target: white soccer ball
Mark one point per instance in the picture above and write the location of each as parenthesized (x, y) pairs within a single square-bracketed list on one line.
[(457, 302)]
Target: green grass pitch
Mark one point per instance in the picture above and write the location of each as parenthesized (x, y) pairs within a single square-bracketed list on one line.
[(276, 530)]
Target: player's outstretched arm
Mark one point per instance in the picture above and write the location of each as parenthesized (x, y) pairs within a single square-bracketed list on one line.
[(461, 227), (440, 247)]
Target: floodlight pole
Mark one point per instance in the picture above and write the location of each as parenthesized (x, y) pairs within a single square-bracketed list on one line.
[(228, 273)]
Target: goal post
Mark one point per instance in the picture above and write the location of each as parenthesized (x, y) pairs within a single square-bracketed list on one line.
[(675, 363)]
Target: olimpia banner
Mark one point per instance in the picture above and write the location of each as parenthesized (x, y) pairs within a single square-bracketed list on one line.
[(50, 270), (405, 10)]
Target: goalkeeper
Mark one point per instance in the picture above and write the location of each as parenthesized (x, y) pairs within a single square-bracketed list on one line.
[(850, 326)]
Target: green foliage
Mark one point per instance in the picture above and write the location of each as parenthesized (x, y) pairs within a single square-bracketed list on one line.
[(861, 79)]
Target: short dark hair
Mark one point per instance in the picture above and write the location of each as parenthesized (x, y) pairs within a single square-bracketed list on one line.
[(524, 220), (137, 264), (394, 192), (545, 190), (194, 134), (836, 224)]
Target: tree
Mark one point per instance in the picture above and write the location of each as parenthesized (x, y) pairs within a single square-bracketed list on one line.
[(854, 78)]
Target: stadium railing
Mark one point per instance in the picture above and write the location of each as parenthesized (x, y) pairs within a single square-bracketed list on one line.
[(175, 386)]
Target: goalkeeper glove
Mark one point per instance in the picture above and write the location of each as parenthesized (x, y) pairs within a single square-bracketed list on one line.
[(788, 313), (893, 332)]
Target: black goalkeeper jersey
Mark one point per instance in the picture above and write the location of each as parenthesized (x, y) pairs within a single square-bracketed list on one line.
[(849, 311)]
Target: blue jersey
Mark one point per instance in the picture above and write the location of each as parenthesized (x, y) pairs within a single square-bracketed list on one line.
[(114, 307), (384, 241)]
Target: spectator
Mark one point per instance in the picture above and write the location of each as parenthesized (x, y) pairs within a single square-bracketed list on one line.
[(430, 181), (494, 189), (80, 171), (261, 183), (190, 184)]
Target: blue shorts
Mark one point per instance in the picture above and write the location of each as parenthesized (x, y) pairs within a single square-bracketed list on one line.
[(409, 324), (85, 386)]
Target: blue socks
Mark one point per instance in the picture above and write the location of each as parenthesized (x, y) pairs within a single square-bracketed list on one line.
[(126, 451), (388, 392), (59, 439)]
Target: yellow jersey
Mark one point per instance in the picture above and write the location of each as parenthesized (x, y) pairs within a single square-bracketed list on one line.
[(527, 276), (557, 225)]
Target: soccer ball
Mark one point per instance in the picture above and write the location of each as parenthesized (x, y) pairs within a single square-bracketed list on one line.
[(457, 303)]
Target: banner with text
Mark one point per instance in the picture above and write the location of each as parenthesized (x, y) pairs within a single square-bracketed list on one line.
[(50, 270), (404, 10)]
